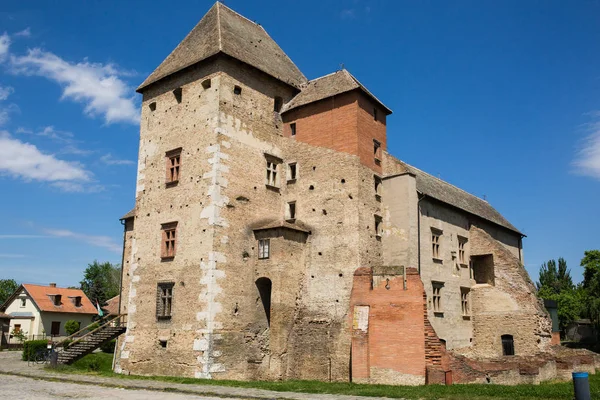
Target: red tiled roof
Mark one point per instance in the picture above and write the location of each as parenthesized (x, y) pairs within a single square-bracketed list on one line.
[(41, 297), (112, 306)]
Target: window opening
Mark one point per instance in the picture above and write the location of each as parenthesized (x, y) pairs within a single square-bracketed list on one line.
[(57, 299), (169, 240), (378, 183), (173, 158), (461, 251), (164, 305), (378, 226), (437, 296), (264, 249), (375, 114), (178, 93), (206, 84), (272, 173), (237, 90), (292, 170), (152, 106), (435, 243), (23, 302), (464, 301), (508, 345), (293, 128), (377, 150), (277, 104), (55, 328), (291, 210), (264, 289), (17, 328)]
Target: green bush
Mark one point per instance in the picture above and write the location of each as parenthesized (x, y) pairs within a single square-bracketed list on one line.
[(109, 347), (71, 327), (93, 326), (66, 343), (30, 347)]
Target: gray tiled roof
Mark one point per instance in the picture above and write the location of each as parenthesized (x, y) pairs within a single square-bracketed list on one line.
[(327, 86), (443, 191), (130, 214), (224, 30)]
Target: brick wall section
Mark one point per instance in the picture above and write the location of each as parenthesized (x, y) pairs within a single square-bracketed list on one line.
[(343, 123), (395, 348)]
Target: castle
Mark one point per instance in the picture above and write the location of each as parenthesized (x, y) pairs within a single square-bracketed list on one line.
[(274, 237)]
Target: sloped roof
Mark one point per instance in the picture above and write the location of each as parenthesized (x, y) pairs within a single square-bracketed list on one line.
[(330, 85), (443, 191), (274, 224), (41, 297), (130, 214), (223, 30), (111, 306), (4, 316)]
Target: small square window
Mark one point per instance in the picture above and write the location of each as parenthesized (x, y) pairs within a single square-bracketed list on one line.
[(264, 249), (292, 172), (293, 129), (206, 84), (237, 90), (162, 343), (152, 106), (291, 211)]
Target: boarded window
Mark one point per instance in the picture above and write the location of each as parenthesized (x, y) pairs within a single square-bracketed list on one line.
[(437, 296), (435, 243), (264, 248), (508, 345), (464, 301), (173, 159), (55, 329), (164, 301), (264, 289), (169, 240)]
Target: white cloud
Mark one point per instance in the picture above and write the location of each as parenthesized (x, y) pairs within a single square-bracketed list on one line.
[(52, 133), (98, 86), (74, 187), (6, 91), (24, 160), (4, 45), (587, 159), (5, 111), (98, 241), (24, 33), (23, 236), (108, 159)]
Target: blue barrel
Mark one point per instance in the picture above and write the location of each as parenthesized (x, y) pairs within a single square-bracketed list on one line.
[(581, 385)]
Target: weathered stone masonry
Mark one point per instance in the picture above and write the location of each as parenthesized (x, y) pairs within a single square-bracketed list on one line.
[(270, 160)]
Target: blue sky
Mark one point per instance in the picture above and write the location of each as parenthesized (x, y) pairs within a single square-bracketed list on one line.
[(499, 98)]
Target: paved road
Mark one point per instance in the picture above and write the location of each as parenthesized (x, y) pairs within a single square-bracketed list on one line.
[(16, 387)]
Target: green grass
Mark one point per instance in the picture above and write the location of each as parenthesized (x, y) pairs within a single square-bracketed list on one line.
[(100, 364)]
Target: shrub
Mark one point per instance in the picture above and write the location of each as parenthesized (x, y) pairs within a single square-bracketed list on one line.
[(93, 326), (30, 347), (71, 327), (109, 347), (66, 343)]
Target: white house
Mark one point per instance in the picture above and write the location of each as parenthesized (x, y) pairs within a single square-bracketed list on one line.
[(42, 311)]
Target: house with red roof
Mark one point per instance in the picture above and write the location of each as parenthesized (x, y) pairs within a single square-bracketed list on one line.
[(39, 311)]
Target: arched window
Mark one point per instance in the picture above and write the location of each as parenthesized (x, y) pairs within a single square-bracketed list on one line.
[(264, 289), (508, 345)]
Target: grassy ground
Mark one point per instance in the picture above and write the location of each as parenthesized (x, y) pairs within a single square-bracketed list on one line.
[(100, 364)]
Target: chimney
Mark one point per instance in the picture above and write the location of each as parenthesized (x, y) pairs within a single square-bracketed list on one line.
[(52, 284)]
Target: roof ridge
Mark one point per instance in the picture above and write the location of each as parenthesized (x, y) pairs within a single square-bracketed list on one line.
[(218, 3), (325, 76), (363, 87), (219, 25)]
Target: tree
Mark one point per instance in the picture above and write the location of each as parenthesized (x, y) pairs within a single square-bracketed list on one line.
[(7, 287), (71, 327), (555, 279), (101, 281), (591, 284)]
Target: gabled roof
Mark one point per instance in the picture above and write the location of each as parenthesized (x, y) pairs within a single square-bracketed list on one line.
[(41, 297), (445, 192), (275, 224), (111, 306), (330, 85), (222, 30), (130, 214)]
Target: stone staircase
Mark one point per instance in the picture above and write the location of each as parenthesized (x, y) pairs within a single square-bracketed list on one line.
[(86, 344)]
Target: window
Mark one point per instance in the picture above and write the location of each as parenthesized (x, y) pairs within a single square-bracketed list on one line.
[(23, 302), (77, 301), (377, 151), (206, 84), (169, 240), (293, 129), (237, 90), (435, 243), (378, 226), (378, 183), (375, 114), (291, 211), (264, 286), (17, 328), (264, 249), (178, 94), (55, 329), (272, 173), (173, 158), (56, 299), (277, 104), (292, 172), (508, 345), (461, 251), (464, 301), (164, 294), (152, 106), (437, 297)]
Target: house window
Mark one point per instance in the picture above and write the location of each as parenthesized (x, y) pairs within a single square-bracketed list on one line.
[(57, 299), (435, 243), (277, 104), (291, 211), (17, 328), (264, 249), (173, 158), (437, 297), (378, 226), (55, 329), (508, 345), (272, 173), (293, 128), (464, 301), (164, 294), (23, 302), (377, 151), (292, 172), (77, 301), (237, 90), (378, 183), (461, 250), (178, 94), (169, 240)]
